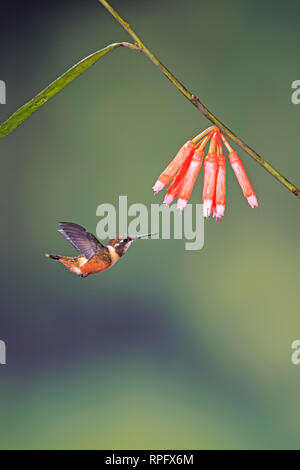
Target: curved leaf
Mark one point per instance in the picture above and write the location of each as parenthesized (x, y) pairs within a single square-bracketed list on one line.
[(33, 105)]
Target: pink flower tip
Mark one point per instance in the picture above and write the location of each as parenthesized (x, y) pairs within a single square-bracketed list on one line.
[(207, 206), (158, 186), (181, 203), (252, 201), (168, 199), (220, 211)]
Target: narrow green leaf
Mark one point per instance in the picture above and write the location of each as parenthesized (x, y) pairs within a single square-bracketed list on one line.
[(33, 105)]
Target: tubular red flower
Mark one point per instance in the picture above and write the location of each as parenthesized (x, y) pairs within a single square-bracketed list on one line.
[(189, 179), (242, 178), (166, 176), (177, 181), (221, 187), (183, 170), (220, 195), (241, 174), (210, 175)]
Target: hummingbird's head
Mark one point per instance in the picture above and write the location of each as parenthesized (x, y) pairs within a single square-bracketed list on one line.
[(121, 243)]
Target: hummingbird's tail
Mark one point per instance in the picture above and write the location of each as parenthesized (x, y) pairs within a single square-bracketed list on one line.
[(71, 263), (57, 257)]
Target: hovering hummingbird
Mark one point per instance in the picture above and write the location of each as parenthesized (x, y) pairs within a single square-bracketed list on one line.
[(96, 256)]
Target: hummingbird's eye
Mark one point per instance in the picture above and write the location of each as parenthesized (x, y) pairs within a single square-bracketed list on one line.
[(125, 240)]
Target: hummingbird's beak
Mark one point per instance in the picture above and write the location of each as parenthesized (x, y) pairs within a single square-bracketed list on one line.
[(145, 235)]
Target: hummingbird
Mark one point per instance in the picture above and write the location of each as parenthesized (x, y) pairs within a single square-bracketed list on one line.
[(95, 256)]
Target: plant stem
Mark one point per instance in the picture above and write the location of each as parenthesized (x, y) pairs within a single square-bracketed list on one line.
[(197, 103)]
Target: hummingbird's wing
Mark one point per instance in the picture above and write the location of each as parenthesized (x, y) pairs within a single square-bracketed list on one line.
[(81, 239)]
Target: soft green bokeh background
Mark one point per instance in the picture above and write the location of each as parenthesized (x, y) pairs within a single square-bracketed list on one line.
[(170, 348)]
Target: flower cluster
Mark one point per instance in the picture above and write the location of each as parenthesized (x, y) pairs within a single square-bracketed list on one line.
[(183, 170)]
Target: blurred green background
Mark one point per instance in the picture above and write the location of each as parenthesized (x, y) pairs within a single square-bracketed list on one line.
[(171, 348)]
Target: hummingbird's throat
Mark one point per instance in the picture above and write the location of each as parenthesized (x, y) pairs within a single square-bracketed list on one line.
[(114, 253)]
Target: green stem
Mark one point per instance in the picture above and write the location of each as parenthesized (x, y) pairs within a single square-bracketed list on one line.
[(197, 103), (27, 109)]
